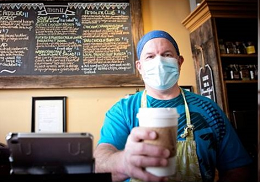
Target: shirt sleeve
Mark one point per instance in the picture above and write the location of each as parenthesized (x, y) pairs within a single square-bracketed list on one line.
[(115, 128)]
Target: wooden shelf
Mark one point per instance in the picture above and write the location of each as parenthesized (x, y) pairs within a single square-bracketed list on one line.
[(230, 20), (240, 81), (238, 55)]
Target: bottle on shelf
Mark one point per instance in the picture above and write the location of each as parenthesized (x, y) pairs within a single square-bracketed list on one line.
[(256, 71), (231, 72), (251, 72), (240, 48), (228, 73), (230, 48), (250, 49), (244, 72), (222, 47), (236, 72)]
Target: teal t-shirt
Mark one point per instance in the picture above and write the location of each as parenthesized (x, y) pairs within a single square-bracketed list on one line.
[(217, 143)]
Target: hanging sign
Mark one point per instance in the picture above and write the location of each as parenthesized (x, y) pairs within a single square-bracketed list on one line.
[(206, 82)]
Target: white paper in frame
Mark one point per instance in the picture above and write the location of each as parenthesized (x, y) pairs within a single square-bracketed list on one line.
[(48, 114)]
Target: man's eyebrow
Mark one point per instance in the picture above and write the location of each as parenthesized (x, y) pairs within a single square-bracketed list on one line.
[(149, 53), (169, 51)]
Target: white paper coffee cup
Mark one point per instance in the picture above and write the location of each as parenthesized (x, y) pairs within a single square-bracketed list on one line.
[(165, 122)]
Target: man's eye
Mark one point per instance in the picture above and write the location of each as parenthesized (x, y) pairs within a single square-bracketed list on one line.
[(168, 55), (149, 57)]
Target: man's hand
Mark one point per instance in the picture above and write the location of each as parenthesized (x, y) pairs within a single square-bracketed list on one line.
[(131, 162), (138, 155)]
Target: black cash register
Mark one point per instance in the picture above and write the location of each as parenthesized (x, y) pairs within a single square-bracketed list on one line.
[(51, 153), (46, 157)]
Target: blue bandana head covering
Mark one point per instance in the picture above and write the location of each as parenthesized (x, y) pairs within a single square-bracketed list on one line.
[(155, 34)]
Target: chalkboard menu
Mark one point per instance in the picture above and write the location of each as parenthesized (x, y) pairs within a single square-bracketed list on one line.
[(66, 39)]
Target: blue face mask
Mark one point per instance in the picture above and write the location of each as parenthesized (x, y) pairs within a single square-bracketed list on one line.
[(161, 73)]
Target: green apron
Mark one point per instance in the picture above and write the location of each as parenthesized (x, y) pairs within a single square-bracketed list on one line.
[(187, 164)]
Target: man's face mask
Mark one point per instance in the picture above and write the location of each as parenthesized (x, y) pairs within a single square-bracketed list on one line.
[(161, 73)]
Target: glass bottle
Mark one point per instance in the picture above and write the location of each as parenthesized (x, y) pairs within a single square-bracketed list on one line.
[(236, 72), (226, 73), (231, 72), (222, 48), (256, 71), (250, 49), (240, 48), (244, 72), (251, 72), (230, 48)]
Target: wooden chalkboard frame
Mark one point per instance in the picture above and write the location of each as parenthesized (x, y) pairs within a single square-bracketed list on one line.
[(84, 81)]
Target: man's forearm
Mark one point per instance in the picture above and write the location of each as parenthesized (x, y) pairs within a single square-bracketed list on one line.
[(108, 159), (239, 175)]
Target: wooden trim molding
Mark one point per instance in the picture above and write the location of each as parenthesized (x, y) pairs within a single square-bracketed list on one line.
[(218, 9)]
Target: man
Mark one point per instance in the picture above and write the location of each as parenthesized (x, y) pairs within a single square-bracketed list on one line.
[(120, 149)]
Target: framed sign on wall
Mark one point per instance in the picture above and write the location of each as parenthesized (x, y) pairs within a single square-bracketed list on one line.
[(48, 114), (187, 87)]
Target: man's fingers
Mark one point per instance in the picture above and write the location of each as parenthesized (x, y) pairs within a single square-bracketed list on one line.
[(138, 147), (145, 149), (144, 161), (140, 133)]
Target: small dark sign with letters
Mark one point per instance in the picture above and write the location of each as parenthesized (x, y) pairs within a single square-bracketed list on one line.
[(206, 82)]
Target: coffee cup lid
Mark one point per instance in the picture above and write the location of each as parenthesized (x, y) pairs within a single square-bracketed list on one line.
[(158, 112)]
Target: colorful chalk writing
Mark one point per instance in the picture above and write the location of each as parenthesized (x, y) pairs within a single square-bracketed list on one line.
[(65, 39)]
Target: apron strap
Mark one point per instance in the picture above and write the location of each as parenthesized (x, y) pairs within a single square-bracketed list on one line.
[(144, 100), (188, 129)]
